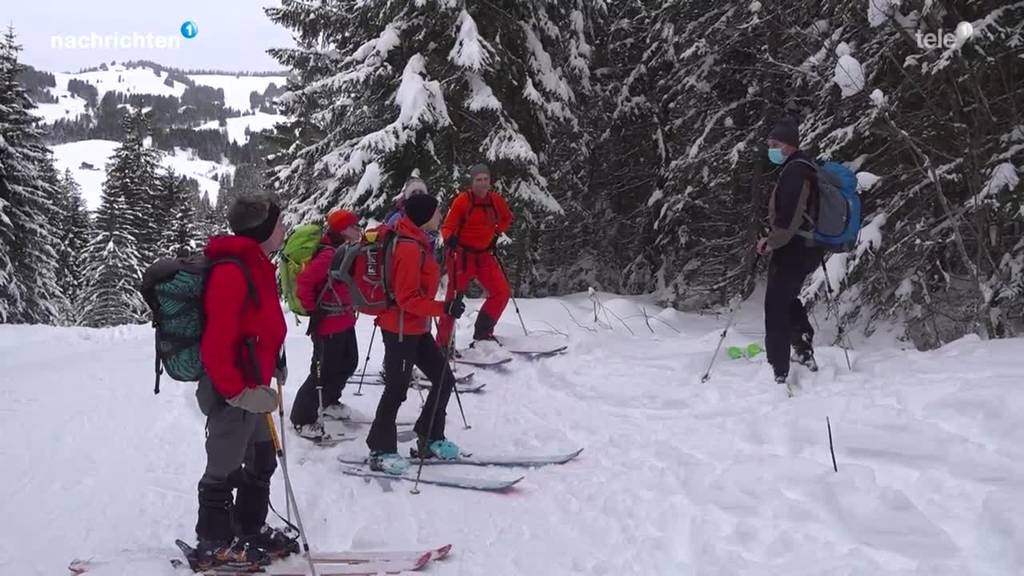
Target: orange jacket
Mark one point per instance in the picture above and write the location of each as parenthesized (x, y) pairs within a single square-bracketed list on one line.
[(476, 221), (415, 276)]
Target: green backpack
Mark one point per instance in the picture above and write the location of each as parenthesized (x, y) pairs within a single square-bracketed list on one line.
[(300, 247)]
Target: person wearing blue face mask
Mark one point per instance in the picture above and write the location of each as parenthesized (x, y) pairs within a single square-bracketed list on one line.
[(791, 207)]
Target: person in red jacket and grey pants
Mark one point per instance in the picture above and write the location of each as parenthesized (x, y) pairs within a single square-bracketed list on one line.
[(240, 346), (335, 349)]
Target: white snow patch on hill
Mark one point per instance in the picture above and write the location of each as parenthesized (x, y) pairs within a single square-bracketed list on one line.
[(237, 88), (119, 78), (78, 156), (254, 123), (677, 477)]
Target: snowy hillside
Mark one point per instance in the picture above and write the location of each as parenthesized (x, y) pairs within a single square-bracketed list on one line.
[(237, 88), (677, 477), (146, 80), (237, 127), (87, 160)]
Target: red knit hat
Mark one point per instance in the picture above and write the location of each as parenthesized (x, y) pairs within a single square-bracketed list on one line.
[(338, 220)]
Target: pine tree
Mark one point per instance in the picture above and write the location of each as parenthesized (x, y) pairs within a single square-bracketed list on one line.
[(114, 257), (386, 88), (74, 229), (182, 235), (133, 175), (28, 285)]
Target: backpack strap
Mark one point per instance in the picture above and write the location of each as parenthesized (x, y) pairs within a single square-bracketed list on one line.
[(811, 200)]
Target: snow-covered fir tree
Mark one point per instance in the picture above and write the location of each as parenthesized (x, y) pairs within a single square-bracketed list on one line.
[(114, 257), (181, 237), (133, 173), (29, 291), (385, 88), (74, 231)]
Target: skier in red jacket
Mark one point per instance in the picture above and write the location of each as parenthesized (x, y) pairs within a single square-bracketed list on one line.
[(405, 328), (332, 328), (470, 231), (240, 347)]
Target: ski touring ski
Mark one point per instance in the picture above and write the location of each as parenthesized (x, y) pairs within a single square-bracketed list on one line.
[(334, 563), (483, 363), (447, 480), (532, 354), (355, 556), (378, 380), (463, 388), (467, 459)]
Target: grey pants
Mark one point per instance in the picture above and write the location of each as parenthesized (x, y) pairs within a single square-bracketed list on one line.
[(239, 456)]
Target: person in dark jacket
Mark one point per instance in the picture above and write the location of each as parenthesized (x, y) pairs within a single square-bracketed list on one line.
[(335, 348), (240, 346), (405, 328), (791, 208)]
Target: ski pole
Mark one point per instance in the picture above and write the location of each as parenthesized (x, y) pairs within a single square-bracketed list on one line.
[(284, 454), (451, 347), (445, 370), (513, 296), (279, 450), (732, 316), (289, 493), (362, 377)]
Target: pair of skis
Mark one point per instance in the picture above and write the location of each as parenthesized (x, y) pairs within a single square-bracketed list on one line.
[(358, 467), (349, 563)]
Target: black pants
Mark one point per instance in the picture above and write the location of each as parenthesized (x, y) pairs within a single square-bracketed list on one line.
[(785, 320), (399, 358), (338, 358), (239, 456)]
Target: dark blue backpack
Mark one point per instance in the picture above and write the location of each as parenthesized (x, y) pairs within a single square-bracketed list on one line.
[(838, 222)]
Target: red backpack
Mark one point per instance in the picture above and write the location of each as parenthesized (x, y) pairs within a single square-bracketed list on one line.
[(365, 268)]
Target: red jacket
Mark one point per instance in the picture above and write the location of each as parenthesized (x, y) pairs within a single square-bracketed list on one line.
[(233, 316), (415, 277), (309, 284), (476, 221)]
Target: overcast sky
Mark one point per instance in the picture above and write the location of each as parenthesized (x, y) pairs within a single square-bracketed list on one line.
[(232, 34)]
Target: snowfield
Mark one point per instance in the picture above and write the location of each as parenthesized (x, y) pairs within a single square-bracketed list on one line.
[(236, 127), (97, 153), (145, 80), (677, 477)]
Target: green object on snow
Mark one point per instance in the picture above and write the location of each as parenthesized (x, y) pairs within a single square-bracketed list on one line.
[(737, 352)]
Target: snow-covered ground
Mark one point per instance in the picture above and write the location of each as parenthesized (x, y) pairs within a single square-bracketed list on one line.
[(97, 153), (236, 127), (725, 478)]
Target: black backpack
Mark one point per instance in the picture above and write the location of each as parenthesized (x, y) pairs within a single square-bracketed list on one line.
[(173, 288)]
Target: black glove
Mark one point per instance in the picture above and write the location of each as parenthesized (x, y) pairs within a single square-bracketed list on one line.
[(455, 308), (493, 244), (452, 243)]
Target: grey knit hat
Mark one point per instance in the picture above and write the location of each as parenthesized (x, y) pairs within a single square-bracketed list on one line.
[(254, 215), (479, 169)]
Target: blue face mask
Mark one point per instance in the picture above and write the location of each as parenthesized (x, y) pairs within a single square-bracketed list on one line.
[(776, 156)]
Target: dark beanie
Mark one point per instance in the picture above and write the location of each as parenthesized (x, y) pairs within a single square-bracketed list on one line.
[(420, 208), (254, 216), (786, 131)]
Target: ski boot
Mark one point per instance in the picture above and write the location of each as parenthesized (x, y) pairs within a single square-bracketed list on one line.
[(235, 555), (314, 431), (338, 411), (442, 449), (277, 543), (389, 463), (805, 357)]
